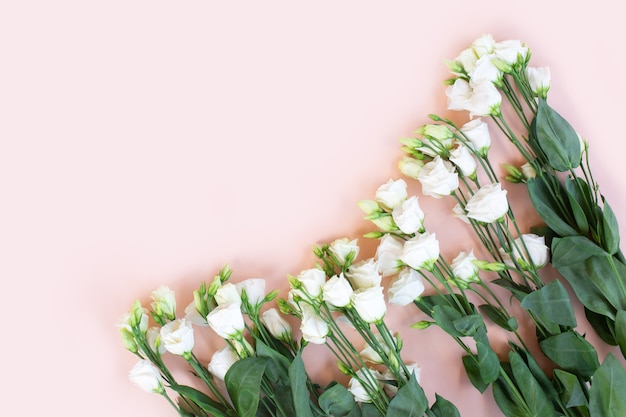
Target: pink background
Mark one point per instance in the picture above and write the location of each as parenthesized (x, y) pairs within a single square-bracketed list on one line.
[(148, 142)]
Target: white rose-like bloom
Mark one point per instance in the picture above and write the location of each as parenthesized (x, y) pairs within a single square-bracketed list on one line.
[(388, 254), (254, 288), (485, 70), (192, 314), (337, 291), (164, 302), (539, 80), (406, 287), (458, 95), (369, 303), (177, 336), (409, 216), (342, 248), (484, 45), (312, 280), (477, 133), (488, 204), (226, 320), (511, 51), (410, 167), (438, 178), (146, 376), (464, 160), (467, 60), (370, 377), (463, 268), (528, 171), (459, 213), (314, 329), (221, 361), (537, 250), (364, 274), (421, 251), (370, 355), (276, 324), (152, 335), (392, 193), (226, 294), (484, 100)]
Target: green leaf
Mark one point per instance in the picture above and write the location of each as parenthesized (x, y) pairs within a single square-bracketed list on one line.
[(547, 206), (586, 291), (336, 400), (504, 399), (488, 362), (572, 250), (571, 392), (610, 229), (578, 189), (369, 410), (551, 303), (498, 317), (535, 398), (536, 370), (472, 370), (201, 400), (444, 408), (603, 326), (582, 224), (571, 352), (243, 383), (620, 330), (606, 396), (277, 367), (409, 401), (299, 388), (609, 276), (469, 325), (445, 316), (557, 138)]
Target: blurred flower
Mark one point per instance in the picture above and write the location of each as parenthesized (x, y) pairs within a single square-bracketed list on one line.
[(438, 178), (421, 251), (226, 320), (369, 303), (177, 336), (276, 324), (406, 287), (146, 376), (392, 193), (337, 291), (314, 329), (408, 216), (488, 204), (344, 249), (221, 361), (164, 302), (364, 274)]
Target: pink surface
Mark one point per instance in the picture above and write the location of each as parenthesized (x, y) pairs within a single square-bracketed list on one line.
[(147, 143)]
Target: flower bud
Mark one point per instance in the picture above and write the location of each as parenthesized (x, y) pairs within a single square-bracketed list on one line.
[(276, 325), (164, 302), (424, 324)]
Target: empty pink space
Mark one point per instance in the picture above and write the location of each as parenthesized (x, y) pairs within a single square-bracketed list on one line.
[(152, 143)]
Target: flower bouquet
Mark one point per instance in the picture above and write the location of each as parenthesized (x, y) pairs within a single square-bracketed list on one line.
[(341, 302)]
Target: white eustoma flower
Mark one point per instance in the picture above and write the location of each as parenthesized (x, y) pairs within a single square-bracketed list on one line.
[(369, 354), (226, 320), (392, 193), (337, 291), (488, 204), (312, 281), (364, 274), (511, 51), (466, 60), (538, 252), (485, 70), (460, 213), (226, 294), (388, 254), (177, 336), (459, 95), (369, 303), (192, 314), (164, 302), (464, 160), (484, 100), (409, 216), (438, 178), (528, 171), (367, 377), (221, 361), (276, 324), (421, 251), (410, 167), (343, 248), (314, 329), (484, 45), (254, 288), (152, 337), (146, 376), (539, 80), (477, 133), (406, 287), (463, 268), (124, 322)]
